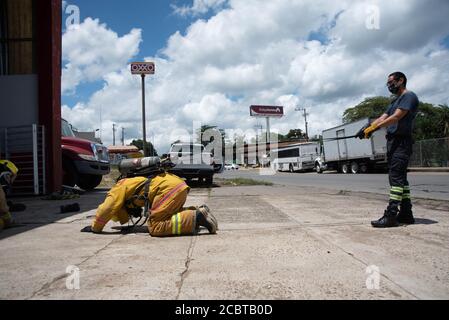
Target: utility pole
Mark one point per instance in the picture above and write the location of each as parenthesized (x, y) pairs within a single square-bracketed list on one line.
[(113, 133), (305, 117), (123, 136), (268, 131), (257, 127)]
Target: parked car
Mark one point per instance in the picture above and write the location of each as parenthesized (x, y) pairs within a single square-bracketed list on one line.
[(84, 162), (192, 162), (232, 166)]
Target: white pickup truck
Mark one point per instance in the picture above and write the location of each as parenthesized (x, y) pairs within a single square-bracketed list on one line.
[(192, 162)]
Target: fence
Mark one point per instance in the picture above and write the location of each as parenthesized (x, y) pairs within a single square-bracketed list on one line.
[(431, 153), (25, 146)]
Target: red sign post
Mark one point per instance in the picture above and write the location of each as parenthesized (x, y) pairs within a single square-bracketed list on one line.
[(267, 112)]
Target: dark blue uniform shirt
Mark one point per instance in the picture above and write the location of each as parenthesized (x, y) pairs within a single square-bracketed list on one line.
[(408, 101)]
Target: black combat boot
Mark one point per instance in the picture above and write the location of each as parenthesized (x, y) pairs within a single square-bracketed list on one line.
[(389, 219), (405, 215)]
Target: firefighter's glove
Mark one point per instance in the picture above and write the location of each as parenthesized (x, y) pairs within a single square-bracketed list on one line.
[(361, 133), (370, 130)]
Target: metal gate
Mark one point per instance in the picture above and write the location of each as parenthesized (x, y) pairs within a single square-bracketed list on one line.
[(25, 147)]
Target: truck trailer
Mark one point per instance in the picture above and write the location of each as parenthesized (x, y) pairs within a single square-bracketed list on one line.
[(352, 155)]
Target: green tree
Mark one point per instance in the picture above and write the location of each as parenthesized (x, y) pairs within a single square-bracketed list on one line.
[(295, 134), (432, 122), (370, 108), (139, 144)]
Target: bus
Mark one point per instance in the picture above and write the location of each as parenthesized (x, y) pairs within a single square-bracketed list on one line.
[(297, 157)]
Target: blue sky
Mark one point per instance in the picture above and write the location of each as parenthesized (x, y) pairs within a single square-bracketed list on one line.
[(156, 19)]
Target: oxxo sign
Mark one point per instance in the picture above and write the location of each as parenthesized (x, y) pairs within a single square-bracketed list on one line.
[(142, 68)]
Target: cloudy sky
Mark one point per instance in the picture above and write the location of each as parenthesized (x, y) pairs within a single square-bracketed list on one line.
[(215, 58)]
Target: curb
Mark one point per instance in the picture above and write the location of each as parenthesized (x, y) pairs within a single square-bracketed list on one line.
[(443, 169)]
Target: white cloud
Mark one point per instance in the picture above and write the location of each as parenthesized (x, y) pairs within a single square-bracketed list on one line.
[(91, 50), (199, 7), (219, 67)]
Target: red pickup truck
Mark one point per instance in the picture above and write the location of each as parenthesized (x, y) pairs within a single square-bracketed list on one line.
[(84, 162)]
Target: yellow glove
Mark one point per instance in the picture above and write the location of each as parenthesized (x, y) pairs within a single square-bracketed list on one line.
[(370, 130)]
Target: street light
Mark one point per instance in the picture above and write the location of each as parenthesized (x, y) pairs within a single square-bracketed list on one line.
[(305, 117)]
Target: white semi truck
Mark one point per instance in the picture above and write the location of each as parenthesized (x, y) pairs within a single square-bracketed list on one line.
[(352, 155)]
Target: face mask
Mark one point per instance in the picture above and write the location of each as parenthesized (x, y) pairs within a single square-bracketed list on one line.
[(393, 87)]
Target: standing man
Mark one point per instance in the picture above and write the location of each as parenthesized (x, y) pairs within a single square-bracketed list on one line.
[(399, 120)]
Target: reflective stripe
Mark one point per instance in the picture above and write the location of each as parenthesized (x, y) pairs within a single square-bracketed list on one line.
[(173, 224), (176, 224), (406, 188), (397, 189), (6, 216), (168, 195), (395, 197), (406, 196)]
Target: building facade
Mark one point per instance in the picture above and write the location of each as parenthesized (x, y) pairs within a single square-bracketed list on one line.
[(30, 89)]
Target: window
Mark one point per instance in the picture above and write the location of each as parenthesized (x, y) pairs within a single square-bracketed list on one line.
[(17, 43), (292, 153)]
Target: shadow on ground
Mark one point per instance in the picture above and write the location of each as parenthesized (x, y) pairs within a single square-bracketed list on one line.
[(41, 212), (425, 221)]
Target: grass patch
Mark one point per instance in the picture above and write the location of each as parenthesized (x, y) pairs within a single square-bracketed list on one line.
[(243, 182)]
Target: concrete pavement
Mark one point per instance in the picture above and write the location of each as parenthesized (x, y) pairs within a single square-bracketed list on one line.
[(426, 185), (273, 243)]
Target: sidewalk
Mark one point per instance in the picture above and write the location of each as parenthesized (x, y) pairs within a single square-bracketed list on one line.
[(273, 243)]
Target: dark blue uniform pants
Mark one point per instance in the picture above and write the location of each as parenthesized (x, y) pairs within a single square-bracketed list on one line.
[(399, 150)]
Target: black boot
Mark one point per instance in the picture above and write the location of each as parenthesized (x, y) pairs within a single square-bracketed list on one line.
[(389, 219), (405, 215)]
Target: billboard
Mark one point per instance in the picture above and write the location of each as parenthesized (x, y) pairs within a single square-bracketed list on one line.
[(267, 111)]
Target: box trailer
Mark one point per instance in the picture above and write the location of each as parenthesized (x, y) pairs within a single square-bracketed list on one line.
[(352, 155)]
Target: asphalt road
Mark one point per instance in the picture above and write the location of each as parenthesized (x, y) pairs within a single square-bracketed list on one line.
[(423, 185)]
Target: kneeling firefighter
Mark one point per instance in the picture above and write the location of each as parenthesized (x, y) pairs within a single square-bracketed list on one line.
[(8, 173), (145, 183)]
